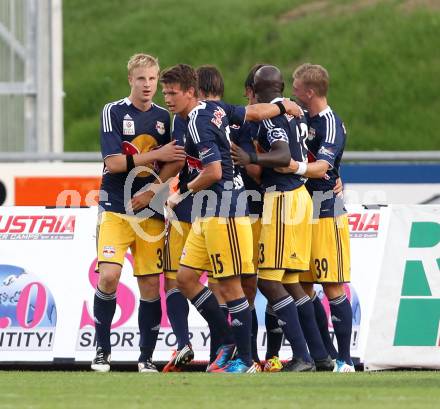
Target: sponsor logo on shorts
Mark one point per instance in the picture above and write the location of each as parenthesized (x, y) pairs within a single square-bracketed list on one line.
[(108, 251)]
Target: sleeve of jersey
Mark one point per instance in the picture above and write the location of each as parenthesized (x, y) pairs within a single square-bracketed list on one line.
[(331, 145), (275, 130), (111, 134), (204, 138), (179, 129), (236, 114)]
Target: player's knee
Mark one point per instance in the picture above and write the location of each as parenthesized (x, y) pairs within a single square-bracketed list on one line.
[(295, 290), (186, 279), (272, 290), (230, 289), (249, 285), (333, 290), (308, 289), (149, 286), (170, 284), (109, 275)]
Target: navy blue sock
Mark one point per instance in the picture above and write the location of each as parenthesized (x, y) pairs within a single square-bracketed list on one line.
[(310, 328), (177, 310), (149, 316), (225, 310), (104, 307), (342, 317), (288, 320), (274, 333), (217, 342), (254, 334), (321, 320), (207, 306), (241, 323)]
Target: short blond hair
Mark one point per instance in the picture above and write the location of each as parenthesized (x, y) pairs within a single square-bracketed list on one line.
[(142, 60), (313, 76)]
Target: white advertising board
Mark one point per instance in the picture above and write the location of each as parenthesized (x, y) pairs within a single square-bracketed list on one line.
[(47, 285)]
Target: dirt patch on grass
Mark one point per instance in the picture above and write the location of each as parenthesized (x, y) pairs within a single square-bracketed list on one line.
[(325, 7), (411, 5)]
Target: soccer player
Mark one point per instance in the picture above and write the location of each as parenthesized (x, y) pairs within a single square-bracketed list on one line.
[(210, 87), (330, 253), (286, 230), (131, 130)]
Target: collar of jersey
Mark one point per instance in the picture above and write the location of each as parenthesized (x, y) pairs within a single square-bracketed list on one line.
[(200, 105), (277, 99), (325, 111)]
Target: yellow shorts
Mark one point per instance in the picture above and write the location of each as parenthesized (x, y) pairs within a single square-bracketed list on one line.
[(145, 238), (222, 246), (330, 258), (177, 234), (256, 230), (283, 276), (286, 233)]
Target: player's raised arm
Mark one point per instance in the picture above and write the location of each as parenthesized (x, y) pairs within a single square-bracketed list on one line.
[(258, 112)]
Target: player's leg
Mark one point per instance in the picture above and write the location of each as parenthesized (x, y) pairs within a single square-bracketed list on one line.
[(177, 304), (148, 255), (274, 339), (279, 251), (269, 283), (321, 318), (113, 239), (331, 268), (249, 285), (306, 313), (229, 244), (194, 262), (216, 342)]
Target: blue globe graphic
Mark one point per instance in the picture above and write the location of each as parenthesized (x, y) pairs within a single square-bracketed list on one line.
[(13, 280)]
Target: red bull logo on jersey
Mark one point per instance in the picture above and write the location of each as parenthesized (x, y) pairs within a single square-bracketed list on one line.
[(128, 125), (37, 227), (108, 251), (194, 164), (219, 114), (311, 134), (364, 225), (160, 127)]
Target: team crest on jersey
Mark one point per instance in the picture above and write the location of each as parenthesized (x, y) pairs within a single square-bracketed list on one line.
[(160, 127), (219, 113), (312, 134), (128, 125)]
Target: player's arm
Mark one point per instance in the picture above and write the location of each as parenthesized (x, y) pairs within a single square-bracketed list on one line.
[(258, 112), (314, 170), (170, 152), (279, 155), (167, 172)]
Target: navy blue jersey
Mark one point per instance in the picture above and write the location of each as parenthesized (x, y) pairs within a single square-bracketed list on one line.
[(244, 136), (326, 141), (193, 166), (288, 129), (125, 130), (207, 141)]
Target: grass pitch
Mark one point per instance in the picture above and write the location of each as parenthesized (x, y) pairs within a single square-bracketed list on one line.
[(48, 390)]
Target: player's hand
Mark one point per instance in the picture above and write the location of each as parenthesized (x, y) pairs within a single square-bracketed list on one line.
[(292, 108), (143, 199), (171, 152), (173, 200), (239, 156), (339, 187)]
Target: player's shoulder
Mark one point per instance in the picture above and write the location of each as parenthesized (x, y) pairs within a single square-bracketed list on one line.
[(115, 106), (160, 111)]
